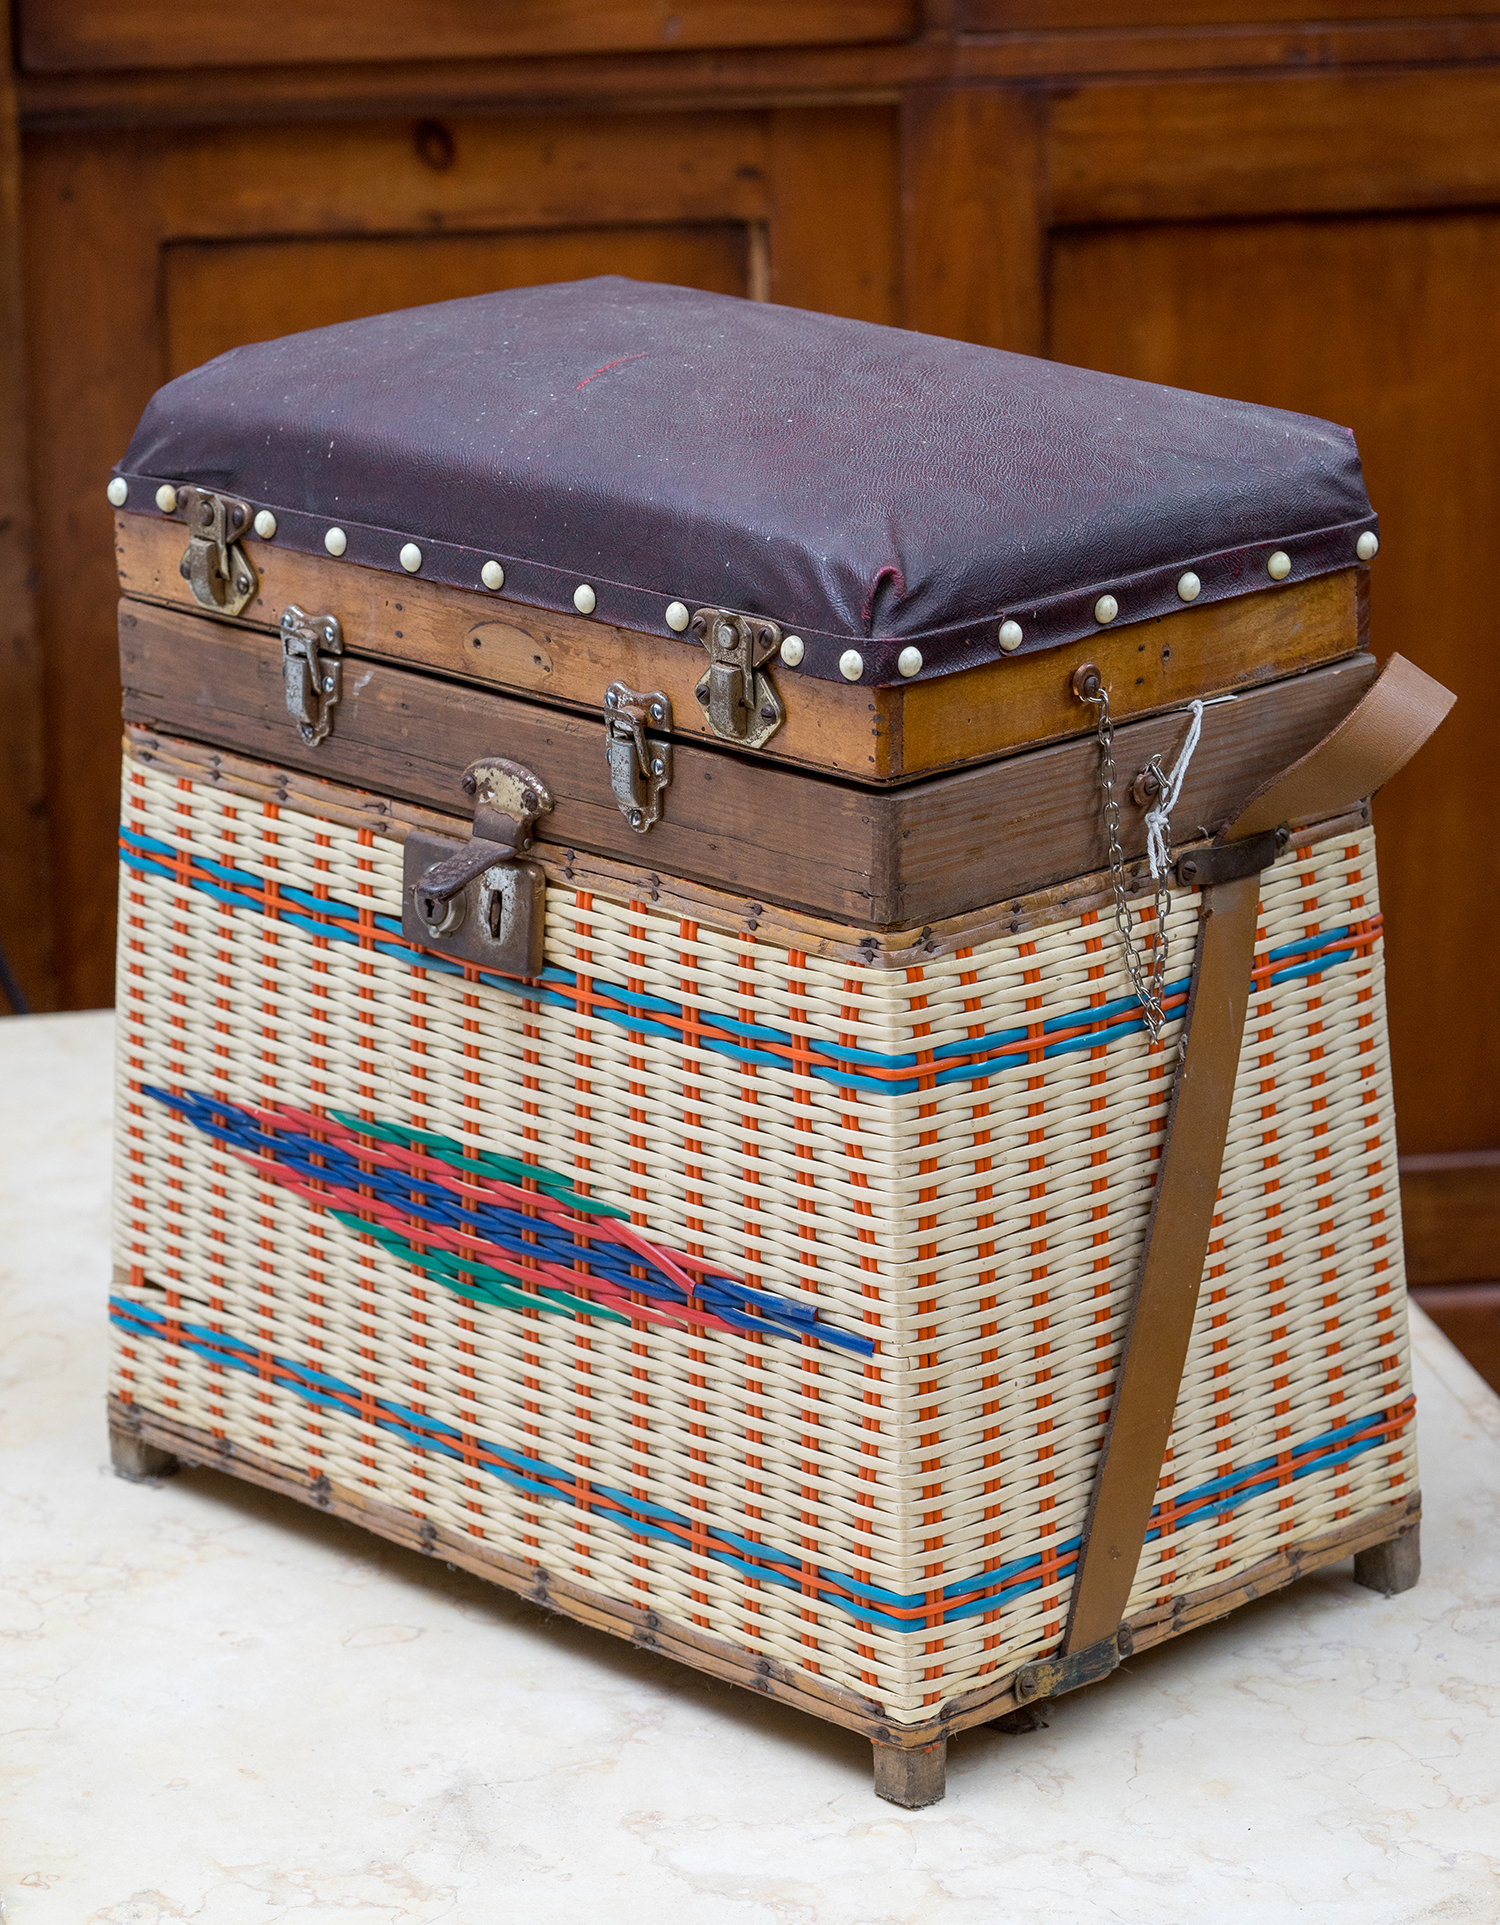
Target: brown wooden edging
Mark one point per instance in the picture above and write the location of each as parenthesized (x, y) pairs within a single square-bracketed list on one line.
[(868, 734), (880, 858), (649, 1631), (675, 895)]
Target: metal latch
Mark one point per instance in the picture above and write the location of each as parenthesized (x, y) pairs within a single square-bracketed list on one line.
[(1050, 1677), (477, 899), (310, 667), (214, 565), (738, 697), (640, 771)]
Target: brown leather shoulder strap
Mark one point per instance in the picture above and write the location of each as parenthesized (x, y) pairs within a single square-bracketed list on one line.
[(1377, 737)]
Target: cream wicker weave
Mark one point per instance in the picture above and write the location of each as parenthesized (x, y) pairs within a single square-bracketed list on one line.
[(787, 1303)]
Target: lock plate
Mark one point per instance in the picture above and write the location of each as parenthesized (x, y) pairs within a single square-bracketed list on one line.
[(311, 670), (214, 565), (477, 900), (640, 770), (496, 918), (737, 696)]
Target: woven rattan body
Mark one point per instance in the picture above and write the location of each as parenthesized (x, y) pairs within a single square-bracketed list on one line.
[(726, 1275)]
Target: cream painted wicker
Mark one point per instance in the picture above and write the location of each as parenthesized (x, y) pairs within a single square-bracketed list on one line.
[(738, 1270)]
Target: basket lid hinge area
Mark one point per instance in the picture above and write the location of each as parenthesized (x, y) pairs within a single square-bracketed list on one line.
[(214, 565), (478, 900)]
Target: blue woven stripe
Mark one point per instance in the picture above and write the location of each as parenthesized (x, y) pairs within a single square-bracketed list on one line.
[(835, 1063), (983, 1594)]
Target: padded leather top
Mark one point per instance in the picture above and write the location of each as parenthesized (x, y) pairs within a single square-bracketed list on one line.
[(866, 488)]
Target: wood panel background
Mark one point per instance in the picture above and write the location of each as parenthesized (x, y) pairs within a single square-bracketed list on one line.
[(1235, 195)]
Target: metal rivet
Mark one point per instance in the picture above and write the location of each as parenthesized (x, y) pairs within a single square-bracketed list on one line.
[(584, 599), (851, 665), (792, 650), (492, 575), (1189, 588), (611, 699), (166, 498), (1010, 636), (118, 492), (909, 661), (411, 557), (335, 541), (1086, 681), (1106, 608), (1279, 566), (1367, 547), (677, 617), (265, 525)]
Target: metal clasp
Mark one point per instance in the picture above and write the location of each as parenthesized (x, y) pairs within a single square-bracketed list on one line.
[(216, 568), (640, 771), (311, 671), (477, 899), (738, 698)]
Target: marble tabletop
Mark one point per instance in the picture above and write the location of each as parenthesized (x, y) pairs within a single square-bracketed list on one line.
[(220, 1707)]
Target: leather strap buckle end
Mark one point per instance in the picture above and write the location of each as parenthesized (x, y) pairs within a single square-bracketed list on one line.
[(1050, 1677), (1229, 861)]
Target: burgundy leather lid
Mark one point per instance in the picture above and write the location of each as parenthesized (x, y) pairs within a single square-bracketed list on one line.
[(866, 488)]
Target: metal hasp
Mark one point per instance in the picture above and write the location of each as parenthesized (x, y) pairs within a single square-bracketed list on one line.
[(640, 770), (214, 565), (736, 694), (478, 900), (311, 670), (1050, 1677)]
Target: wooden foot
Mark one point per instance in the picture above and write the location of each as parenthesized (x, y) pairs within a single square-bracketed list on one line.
[(136, 1461), (914, 1775), (1393, 1566)]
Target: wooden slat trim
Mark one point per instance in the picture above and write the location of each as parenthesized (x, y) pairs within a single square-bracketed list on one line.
[(870, 735), (649, 1631), (758, 78), (880, 859), (671, 895), (1223, 148)]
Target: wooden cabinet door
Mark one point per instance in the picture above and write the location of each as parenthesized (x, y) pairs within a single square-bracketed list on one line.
[(1386, 325)]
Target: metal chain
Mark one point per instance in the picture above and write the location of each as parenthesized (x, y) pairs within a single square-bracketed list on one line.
[(1150, 986)]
